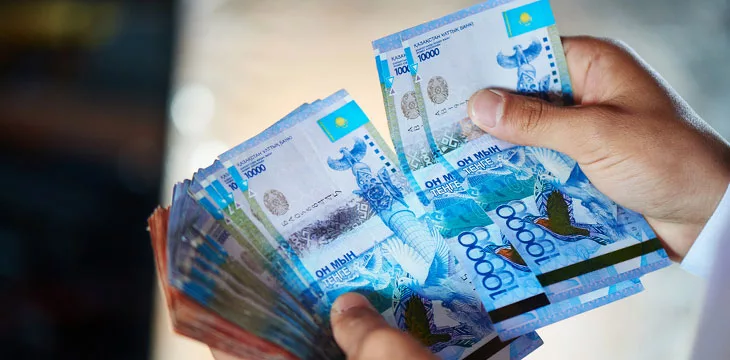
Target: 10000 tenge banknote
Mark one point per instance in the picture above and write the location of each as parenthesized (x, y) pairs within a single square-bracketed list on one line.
[(554, 227)]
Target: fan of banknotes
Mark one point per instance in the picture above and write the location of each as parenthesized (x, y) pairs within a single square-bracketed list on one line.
[(466, 242)]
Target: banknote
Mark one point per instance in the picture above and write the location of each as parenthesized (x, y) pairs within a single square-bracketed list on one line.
[(418, 159), (522, 308), (239, 304), (509, 290), (315, 314), (214, 184), (224, 276), (233, 210), (219, 246), (193, 320), (327, 185), (417, 156), (257, 248), (567, 232)]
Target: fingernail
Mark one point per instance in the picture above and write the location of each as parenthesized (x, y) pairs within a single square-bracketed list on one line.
[(485, 107), (350, 301)]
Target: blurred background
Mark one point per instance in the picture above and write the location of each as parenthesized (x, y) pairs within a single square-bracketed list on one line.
[(105, 104), (84, 88)]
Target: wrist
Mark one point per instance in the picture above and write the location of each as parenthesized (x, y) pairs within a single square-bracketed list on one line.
[(708, 204), (700, 258), (710, 188)]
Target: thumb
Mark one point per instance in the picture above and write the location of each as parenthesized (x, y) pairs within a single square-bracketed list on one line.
[(364, 335), (530, 121)]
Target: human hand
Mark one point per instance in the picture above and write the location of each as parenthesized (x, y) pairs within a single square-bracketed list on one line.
[(632, 135)]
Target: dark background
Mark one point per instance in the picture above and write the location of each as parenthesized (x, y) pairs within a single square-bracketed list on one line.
[(83, 98)]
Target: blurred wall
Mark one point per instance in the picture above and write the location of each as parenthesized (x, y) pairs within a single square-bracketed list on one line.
[(83, 102), (244, 64)]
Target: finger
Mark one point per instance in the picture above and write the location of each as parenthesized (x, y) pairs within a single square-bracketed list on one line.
[(600, 70), (364, 335), (582, 54), (353, 317), (529, 121)]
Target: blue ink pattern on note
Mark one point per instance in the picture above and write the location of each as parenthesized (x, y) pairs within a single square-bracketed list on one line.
[(527, 78)]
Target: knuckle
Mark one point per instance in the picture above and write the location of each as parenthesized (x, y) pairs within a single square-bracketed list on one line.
[(613, 49), (595, 44), (616, 45), (598, 50)]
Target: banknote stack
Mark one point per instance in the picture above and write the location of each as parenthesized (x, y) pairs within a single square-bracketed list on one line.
[(466, 242)]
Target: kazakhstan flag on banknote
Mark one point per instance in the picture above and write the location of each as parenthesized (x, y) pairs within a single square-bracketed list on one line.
[(527, 18), (343, 121)]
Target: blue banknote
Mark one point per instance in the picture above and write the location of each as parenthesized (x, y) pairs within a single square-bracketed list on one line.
[(327, 190), (233, 209), (416, 154), (195, 269), (570, 235), (509, 290), (248, 267), (216, 192)]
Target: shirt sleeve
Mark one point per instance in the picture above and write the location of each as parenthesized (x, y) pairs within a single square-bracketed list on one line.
[(701, 258), (708, 258)]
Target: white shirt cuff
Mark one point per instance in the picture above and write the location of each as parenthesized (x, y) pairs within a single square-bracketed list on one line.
[(701, 256)]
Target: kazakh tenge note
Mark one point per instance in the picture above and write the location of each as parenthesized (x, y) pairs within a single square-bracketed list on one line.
[(247, 267), (327, 185), (511, 293), (570, 235), (198, 277)]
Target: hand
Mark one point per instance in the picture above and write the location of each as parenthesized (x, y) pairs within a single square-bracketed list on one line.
[(363, 334), (632, 135)]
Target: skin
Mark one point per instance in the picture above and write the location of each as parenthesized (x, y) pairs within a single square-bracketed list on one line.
[(633, 136)]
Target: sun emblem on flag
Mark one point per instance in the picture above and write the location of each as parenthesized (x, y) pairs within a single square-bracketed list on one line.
[(525, 19), (341, 122)]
